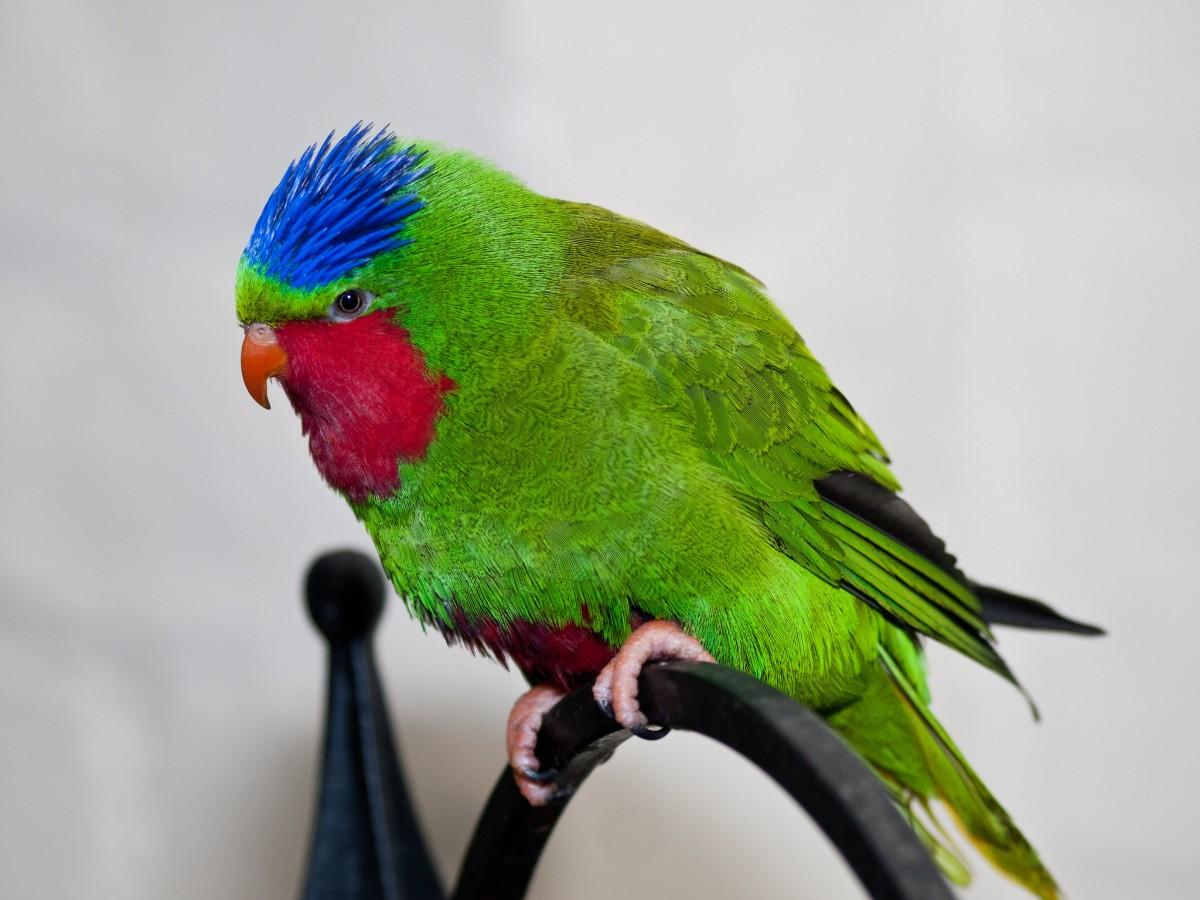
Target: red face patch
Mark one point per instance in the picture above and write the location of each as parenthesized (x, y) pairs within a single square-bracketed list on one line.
[(365, 399)]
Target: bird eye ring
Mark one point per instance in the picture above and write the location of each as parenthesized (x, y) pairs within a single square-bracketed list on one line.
[(351, 303)]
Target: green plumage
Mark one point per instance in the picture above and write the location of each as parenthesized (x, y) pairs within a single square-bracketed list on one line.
[(635, 426)]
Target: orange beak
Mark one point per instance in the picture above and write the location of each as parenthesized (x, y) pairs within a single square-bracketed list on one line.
[(262, 358)]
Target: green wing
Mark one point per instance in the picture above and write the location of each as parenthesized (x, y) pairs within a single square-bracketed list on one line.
[(765, 414)]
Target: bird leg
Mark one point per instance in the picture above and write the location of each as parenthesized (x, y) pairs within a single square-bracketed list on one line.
[(524, 722), (616, 686)]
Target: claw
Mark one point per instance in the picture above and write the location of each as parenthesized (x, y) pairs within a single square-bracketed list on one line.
[(650, 732)]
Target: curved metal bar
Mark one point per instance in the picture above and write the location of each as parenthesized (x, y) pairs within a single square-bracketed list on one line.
[(789, 742)]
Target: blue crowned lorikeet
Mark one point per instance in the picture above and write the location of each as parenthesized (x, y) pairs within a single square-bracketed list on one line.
[(579, 443)]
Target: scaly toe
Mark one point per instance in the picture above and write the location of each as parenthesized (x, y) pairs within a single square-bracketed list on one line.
[(602, 689), (617, 684), (524, 723), (535, 794)]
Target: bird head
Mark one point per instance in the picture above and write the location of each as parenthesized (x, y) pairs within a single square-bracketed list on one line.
[(379, 278)]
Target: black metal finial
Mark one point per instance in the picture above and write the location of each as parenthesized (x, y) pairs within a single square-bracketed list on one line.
[(343, 591), (366, 843)]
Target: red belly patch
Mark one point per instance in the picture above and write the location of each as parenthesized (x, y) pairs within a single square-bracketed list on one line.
[(565, 655)]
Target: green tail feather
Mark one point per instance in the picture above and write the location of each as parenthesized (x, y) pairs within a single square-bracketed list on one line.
[(919, 763), (943, 851)]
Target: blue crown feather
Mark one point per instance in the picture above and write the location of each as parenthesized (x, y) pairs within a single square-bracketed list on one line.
[(336, 208)]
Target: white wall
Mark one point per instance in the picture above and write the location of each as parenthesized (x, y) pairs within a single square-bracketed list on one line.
[(982, 216)]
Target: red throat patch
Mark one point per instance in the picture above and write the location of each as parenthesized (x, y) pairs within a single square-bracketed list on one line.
[(365, 399)]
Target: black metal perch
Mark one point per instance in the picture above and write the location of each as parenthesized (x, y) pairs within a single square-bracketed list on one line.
[(367, 845)]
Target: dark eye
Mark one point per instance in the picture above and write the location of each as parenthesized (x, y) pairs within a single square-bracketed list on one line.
[(349, 304)]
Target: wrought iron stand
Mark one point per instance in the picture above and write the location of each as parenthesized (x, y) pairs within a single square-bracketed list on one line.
[(367, 845)]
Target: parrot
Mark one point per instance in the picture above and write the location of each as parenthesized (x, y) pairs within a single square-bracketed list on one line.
[(580, 445)]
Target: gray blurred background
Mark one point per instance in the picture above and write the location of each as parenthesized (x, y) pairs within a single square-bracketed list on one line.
[(982, 216)]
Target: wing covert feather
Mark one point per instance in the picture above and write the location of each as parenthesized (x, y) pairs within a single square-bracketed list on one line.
[(766, 415)]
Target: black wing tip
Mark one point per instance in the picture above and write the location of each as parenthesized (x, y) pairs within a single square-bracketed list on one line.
[(1002, 608), (882, 508)]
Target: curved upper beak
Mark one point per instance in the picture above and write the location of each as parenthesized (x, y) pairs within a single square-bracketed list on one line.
[(262, 358)]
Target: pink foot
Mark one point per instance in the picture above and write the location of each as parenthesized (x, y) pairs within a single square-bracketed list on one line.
[(616, 686), (523, 724)]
